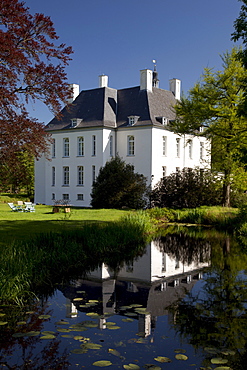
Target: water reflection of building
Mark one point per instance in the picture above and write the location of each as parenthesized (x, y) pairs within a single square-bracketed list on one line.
[(156, 281)]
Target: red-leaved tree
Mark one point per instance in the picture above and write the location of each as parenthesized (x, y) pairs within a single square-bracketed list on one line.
[(32, 67)]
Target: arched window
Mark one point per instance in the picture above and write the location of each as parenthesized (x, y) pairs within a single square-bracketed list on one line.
[(66, 147), (80, 142), (131, 145)]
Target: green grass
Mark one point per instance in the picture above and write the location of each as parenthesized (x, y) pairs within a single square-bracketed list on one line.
[(20, 226)]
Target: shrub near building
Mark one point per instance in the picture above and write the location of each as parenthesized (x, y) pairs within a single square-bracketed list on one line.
[(118, 186), (187, 189)]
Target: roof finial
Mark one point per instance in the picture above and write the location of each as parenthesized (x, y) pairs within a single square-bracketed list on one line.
[(155, 75)]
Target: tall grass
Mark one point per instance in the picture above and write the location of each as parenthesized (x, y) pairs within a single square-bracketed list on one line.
[(49, 258)]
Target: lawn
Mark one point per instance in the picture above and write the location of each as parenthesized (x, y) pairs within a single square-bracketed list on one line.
[(24, 225)]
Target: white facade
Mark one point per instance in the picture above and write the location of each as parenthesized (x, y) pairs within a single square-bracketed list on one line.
[(84, 142)]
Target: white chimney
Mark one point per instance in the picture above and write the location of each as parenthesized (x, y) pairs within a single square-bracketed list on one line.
[(75, 92), (175, 88), (103, 81), (146, 79)]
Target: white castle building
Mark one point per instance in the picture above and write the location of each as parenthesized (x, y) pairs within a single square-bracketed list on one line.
[(103, 122)]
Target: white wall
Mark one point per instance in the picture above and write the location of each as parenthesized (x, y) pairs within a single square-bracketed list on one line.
[(44, 188)]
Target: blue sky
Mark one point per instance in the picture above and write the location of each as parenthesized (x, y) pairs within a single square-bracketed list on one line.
[(120, 37)]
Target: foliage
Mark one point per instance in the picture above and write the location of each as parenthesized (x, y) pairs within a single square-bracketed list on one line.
[(118, 186), (213, 104), (32, 68), (188, 188), (161, 214), (240, 32)]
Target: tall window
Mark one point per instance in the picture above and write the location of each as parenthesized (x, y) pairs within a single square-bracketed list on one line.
[(53, 148), (80, 143), (164, 145), (93, 174), (66, 147), (53, 176), (65, 196), (80, 175), (178, 147), (190, 148), (201, 150), (131, 145), (66, 175), (93, 145), (111, 145)]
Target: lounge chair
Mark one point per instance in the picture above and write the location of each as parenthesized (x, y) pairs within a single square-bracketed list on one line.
[(29, 207), (15, 208)]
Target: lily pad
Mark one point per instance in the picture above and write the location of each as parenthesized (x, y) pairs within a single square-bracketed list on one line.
[(77, 299), (152, 367), (80, 291), (130, 313), (48, 332), (131, 367), (90, 345), (78, 351), (2, 314), (63, 330), (102, 363), (163, 359), (44, 316), (18, 335), (211, 350), (114, 352), (62, 322), (135, 305), (179, 350), (21, 323), (3, 322), (48, 336), (125, 307), (222, 368), (93, 301), (78, 337), (228, 353), (110, 323), (219, 360), (181, 357), (32, 333), (127, 320), (67, 336), (113, 327), (93, 314)]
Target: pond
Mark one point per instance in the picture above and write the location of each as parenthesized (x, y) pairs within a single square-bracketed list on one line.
[(180, 305)]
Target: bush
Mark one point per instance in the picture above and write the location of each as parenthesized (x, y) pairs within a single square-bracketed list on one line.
[(118, 186), (187, 189)]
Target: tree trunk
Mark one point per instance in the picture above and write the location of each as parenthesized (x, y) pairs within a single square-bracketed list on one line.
[(226, 190)]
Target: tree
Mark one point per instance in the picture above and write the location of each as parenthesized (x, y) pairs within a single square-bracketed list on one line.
[(240, 26), (212, 104), (32, 67), (118, 186), (187, 189)]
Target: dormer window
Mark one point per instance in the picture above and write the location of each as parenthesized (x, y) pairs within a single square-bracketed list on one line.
[(133, 120), (75, 122), (163, 120)]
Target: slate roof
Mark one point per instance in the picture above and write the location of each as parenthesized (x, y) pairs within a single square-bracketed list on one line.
[(111, 108)]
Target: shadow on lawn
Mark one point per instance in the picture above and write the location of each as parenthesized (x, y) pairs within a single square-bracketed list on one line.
[(24, 229)]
